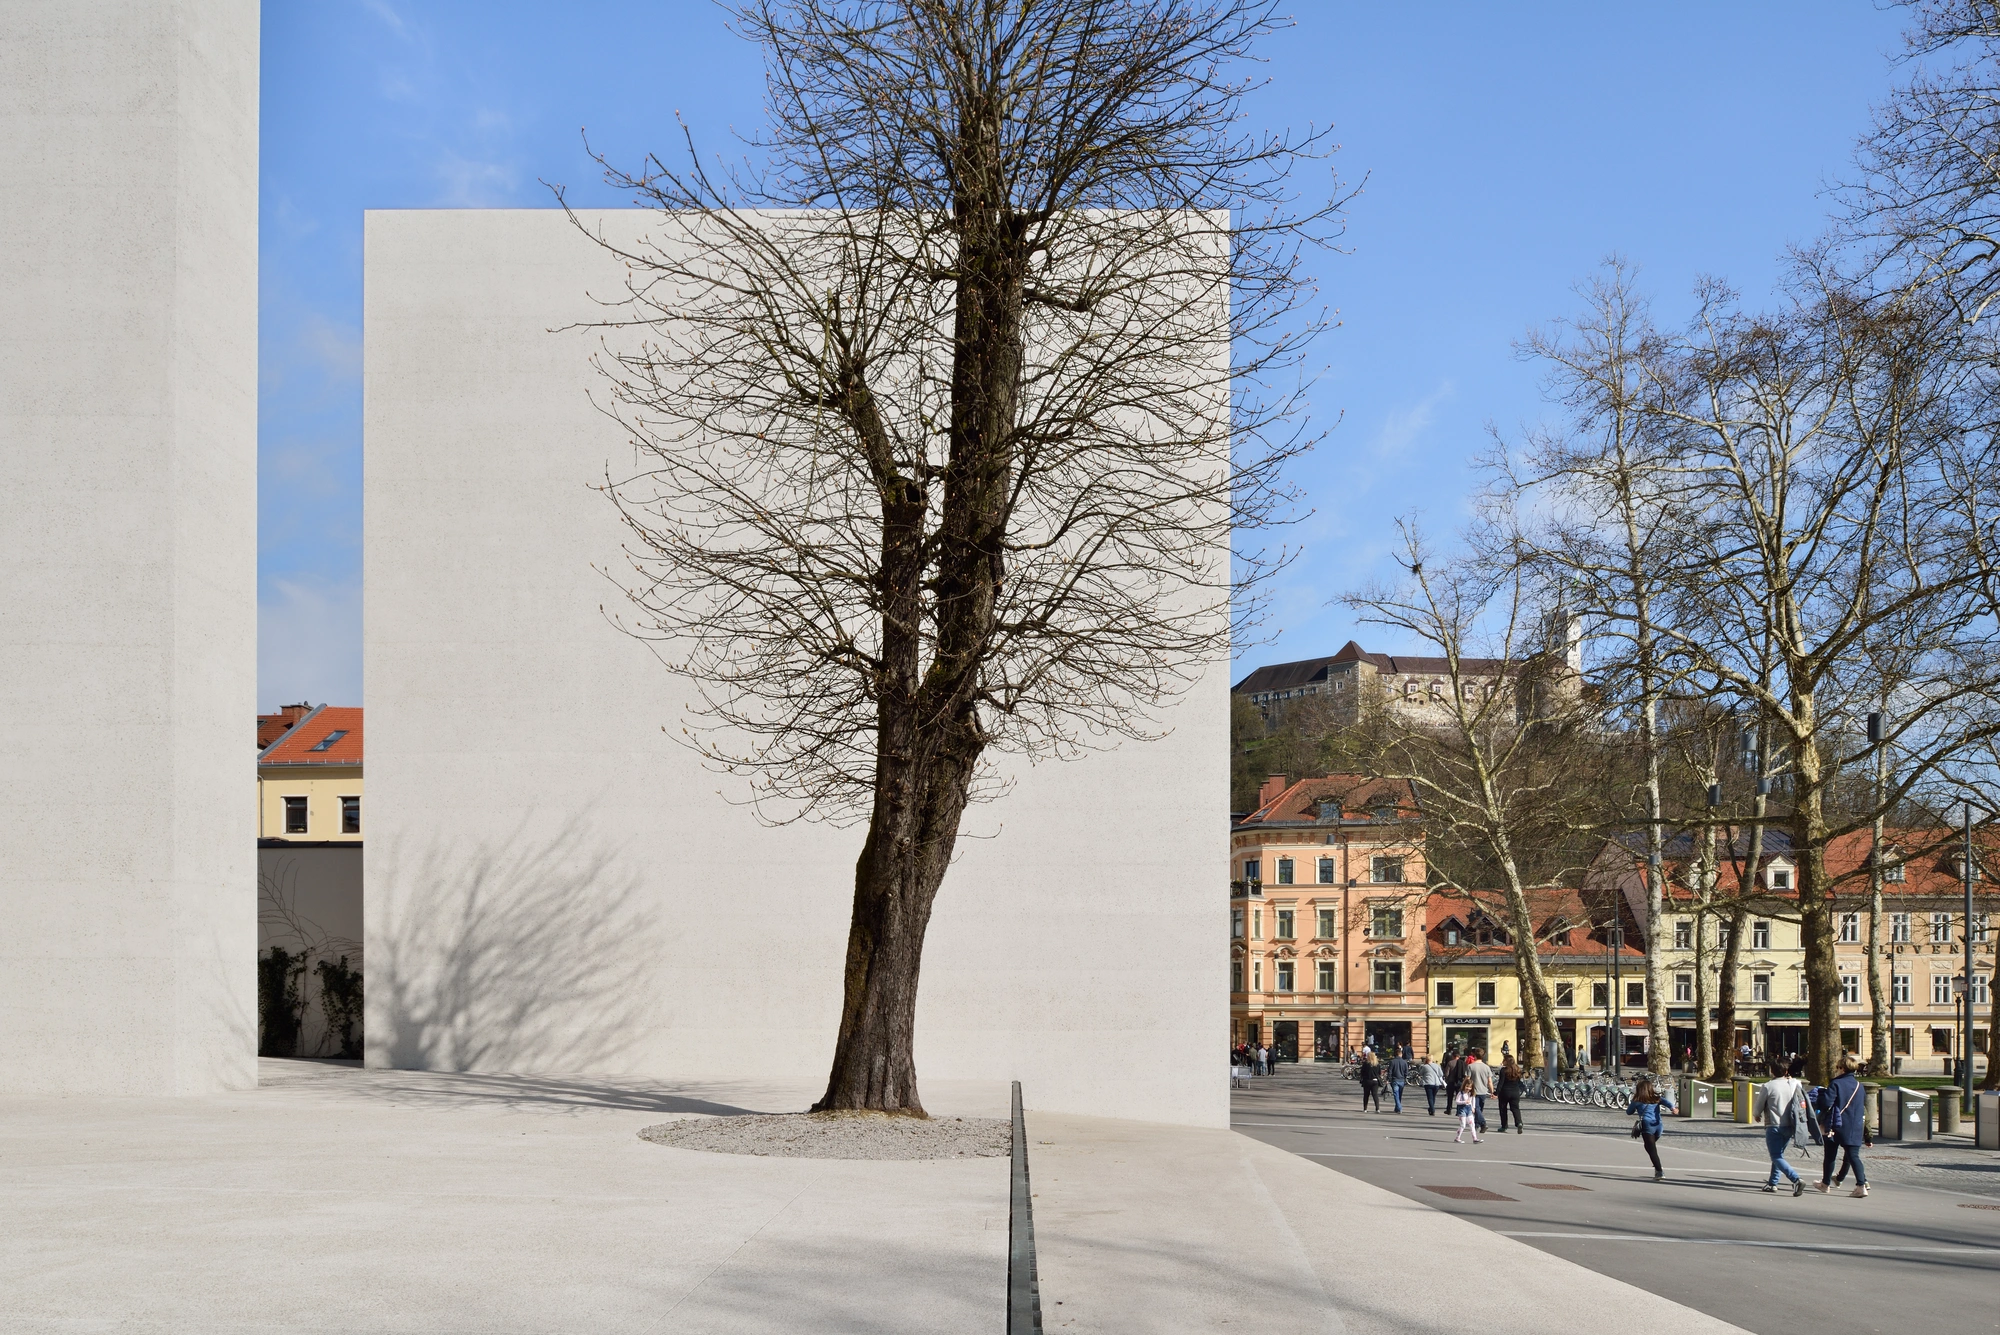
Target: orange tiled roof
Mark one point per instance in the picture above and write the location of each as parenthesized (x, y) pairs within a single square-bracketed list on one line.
[(306, 743), (1357, 795), (1928, 858), (1553, 909)]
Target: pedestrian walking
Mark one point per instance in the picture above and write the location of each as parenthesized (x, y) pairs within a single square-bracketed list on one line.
[(1780, 1104), (1481, 1076), (1263, 1060), (1433, 1077), (1468, 1113), (1399, 1076), (1371, 1080), (1647, 1105), (1844, 1122), (1513, 1084)]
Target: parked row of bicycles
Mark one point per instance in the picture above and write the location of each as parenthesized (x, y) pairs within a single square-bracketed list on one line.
[(1596, 1092)]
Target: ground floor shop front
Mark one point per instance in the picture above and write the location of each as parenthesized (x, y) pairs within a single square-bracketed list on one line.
[(1300, 1033)]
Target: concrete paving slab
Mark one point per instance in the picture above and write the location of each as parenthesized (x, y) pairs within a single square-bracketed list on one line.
[(336, 1199), (1147, 1228)]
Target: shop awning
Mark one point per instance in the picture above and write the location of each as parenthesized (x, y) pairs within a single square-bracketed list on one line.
[(1793, 1017)]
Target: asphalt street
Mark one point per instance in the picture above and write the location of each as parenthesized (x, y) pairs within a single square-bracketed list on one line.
[(1922, 1252)]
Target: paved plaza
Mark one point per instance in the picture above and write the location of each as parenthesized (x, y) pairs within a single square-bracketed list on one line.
[(1575, 1185)]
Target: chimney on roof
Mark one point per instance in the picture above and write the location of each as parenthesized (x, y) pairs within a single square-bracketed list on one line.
[(1273, 786)]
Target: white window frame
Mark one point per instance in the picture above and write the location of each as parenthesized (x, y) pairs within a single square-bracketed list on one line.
[(1941, 989), (1760, 934), (1683, 934), (1236, 927), (1286, 869), (1287, 973), (1385, 862), (305, 814), (1329, 923), (1328, 976), (1760, 987), (1940, 929), (1850, 929), (1683, 987), (1850, 989), (1899, 989), (1635, 992), (1486, 993), (1899, 928), (1286, 926), (1325, 871), (1447, 993), (1374, 975)]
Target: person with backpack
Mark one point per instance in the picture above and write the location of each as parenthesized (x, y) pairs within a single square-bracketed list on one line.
[(1844, 1120), (1780, 1103), (1647, 1105)]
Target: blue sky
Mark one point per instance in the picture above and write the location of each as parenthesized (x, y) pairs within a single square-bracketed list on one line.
[(1507, 153)]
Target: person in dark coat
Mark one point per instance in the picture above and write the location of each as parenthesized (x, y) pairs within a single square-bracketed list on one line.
[(1844, 1121), (1371, 1080)]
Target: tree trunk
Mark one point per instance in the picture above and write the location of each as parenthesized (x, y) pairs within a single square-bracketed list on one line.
[(1704, 1060), (1878, 1001), (1822, 972), (1725, 1002)]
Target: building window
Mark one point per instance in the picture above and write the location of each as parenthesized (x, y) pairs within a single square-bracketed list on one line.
[(1850, 989), (1635, 994), (1779, 878), (1683, 934), (1388, 976), (1940, 989), (1722, 934), (1980, 927), (1326, 871), (295, 815), (1284, 871), (1252, 871), (1489, 994), (1447, 995), (1256, 975), (1236, 927), (1385, 920), (326, 743), (1850, 929), (1327, 919), (1284, 924), (1899, 989), (1284, 975), (1760, 936), (1901, 1042), (1981, 996), (1236, 976), (1760, 987), (350, 815), (1386, 870), (1940, 928), (1683, 987), (1899, 927), (1256, 924), (1600, 996), (1327, 982), (1895, 873), (1565, 996)]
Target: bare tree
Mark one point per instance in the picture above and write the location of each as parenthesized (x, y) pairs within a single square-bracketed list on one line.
[(1495, 763), (944, 414)]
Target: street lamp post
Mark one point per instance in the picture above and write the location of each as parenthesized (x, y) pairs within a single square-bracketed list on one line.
[(1965, 872)]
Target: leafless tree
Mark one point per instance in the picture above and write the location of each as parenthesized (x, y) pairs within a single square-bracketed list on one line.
[(1496, 764), (945, 411)]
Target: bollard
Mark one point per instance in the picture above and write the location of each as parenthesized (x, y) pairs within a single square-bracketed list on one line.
[(1744, 1093), (1947, 1107), (1986, 1121), (1871, 1107)]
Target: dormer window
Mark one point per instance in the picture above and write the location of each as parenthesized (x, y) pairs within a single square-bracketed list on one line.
[(1778, 878), (1437, 692)]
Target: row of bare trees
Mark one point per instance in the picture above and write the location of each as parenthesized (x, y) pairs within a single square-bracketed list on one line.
[(1770, 524)]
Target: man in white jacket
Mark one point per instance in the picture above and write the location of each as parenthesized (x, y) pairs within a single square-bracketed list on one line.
[(1780, 1104)]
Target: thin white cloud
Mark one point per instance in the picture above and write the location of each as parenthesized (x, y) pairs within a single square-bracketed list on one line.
[(470, 184), (309, 642), (334, 347), (395, 22), (1402, 429)]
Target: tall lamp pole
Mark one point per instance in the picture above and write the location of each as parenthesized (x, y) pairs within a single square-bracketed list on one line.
[(1965, 871)]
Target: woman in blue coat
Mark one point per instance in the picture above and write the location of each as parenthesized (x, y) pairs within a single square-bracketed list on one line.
[(1647, 1106), (1844, 1121)]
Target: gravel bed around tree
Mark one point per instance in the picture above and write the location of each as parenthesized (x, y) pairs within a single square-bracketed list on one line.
[(839, 1135)]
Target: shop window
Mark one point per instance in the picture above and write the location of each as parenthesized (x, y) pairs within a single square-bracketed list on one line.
[(1489, 994), (1388, 976), (1327, 982), (1284, 871), (1760, 987), (1941, 1042), (295, 815), (1900, 1042), (1447, 995)]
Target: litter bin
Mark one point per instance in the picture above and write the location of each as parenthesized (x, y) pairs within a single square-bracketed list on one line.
[(1889, 1115), (1986, 1121), (1743, 1091), (1947, 1107), (1699, 1101), (1913, 1114)]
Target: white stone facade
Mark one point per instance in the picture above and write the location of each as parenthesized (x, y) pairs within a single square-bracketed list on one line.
[(553, 884), (128, 420)]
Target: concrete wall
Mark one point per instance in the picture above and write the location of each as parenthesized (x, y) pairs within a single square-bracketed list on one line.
[(128, 414), (553, 884)]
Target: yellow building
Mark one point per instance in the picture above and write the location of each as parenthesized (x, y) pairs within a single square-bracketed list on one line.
[(309, 780)]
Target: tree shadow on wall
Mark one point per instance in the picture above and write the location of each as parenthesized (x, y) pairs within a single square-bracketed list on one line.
[(533, 955)]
